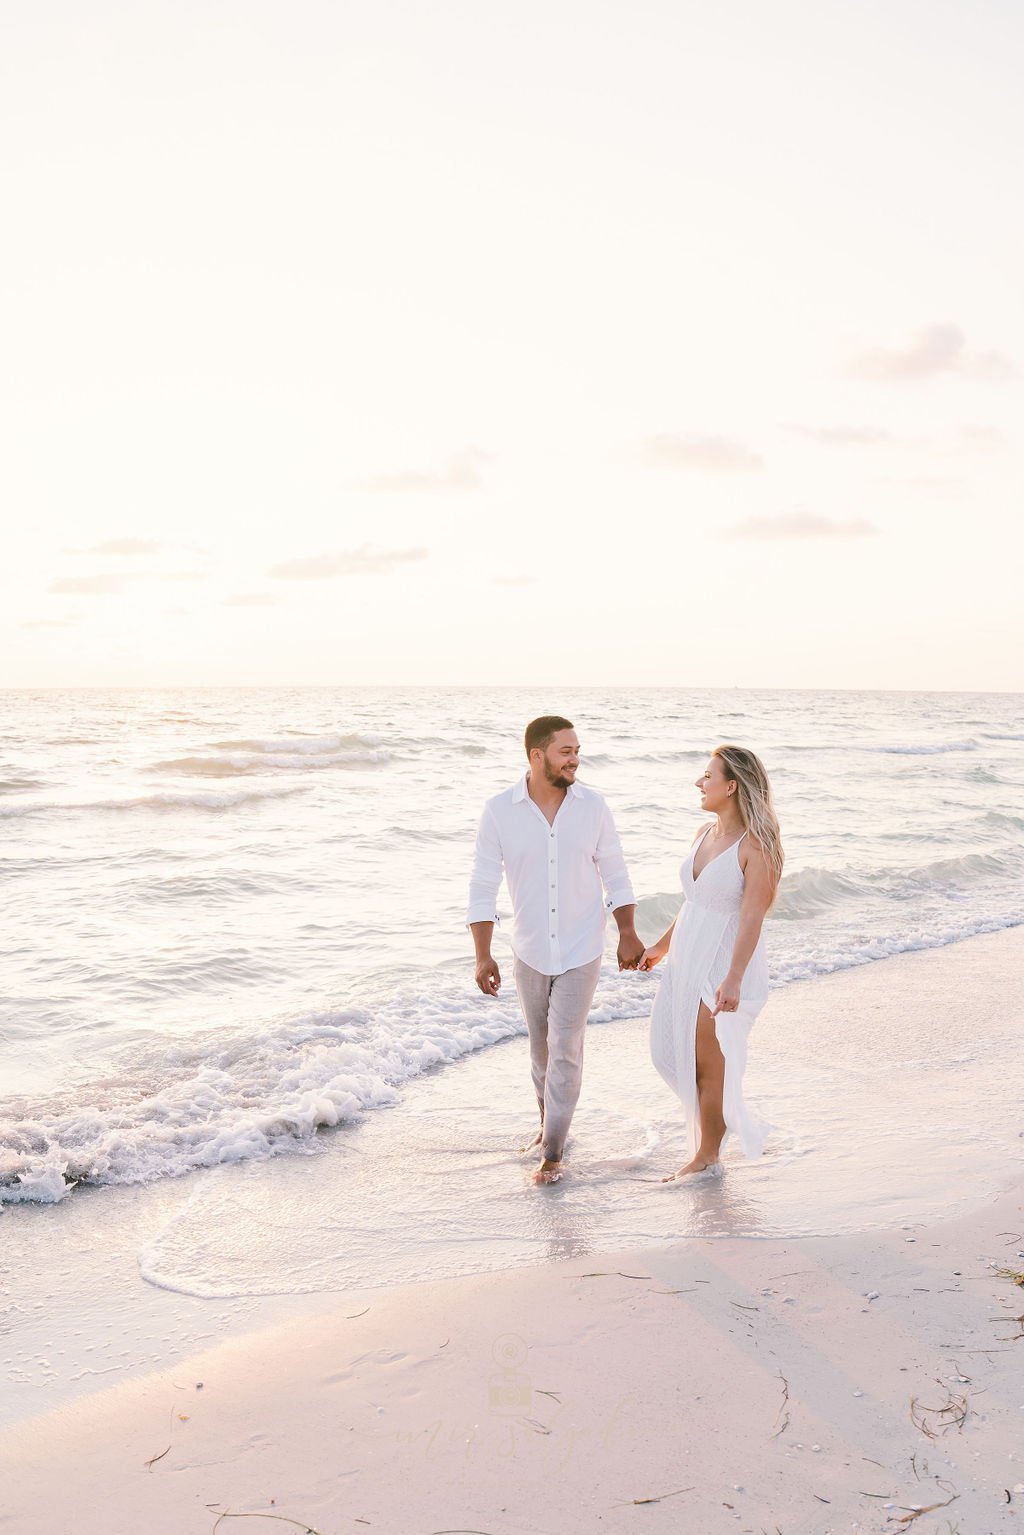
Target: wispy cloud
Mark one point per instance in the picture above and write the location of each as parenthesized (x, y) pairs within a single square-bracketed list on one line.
[(346, 562), (249, 600), (932, 351), (462, 472), (89, 586), (948, 487), (113, 581), (844, 436), (798, 525), (126, 546), (51, 623), (717, 454), (134, 546), (981, 436)]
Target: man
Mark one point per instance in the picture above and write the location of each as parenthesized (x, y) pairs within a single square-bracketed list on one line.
[(556, 844)]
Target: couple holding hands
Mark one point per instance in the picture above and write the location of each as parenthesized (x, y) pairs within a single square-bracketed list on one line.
[(556, 845)]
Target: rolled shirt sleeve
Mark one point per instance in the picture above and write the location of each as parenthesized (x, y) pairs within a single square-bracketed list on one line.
[(488, 867), (611, 865)]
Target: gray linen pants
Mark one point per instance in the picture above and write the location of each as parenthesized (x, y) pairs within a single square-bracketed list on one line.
[(555, 1008)]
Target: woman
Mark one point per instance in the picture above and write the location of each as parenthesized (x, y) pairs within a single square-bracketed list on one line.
[(716, 979)]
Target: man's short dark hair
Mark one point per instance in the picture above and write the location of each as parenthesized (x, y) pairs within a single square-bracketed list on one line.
[(540, 732)]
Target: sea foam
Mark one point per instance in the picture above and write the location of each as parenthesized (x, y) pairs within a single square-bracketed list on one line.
[(238, 1095)]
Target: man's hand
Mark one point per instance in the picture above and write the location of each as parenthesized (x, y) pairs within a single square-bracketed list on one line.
[(631, 950), (488, 977)]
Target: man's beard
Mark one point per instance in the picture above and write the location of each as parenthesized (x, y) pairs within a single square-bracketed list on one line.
[(557, 780)]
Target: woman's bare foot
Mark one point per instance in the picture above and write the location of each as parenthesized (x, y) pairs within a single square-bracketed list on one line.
[(535, 1142), (548, 1172), (698, 1165)]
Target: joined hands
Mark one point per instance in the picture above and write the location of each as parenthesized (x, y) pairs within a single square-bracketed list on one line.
[(630, 951)]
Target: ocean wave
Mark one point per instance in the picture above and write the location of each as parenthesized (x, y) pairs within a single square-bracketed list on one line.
[(437, 746), (939, 932), (198, 799), (208, 889), (810, 891), (19, 785), (925, 748), (684, 754), (968, 866), (1002, 818), (977, 773), (298, 743), (236, 764), (654, 913), (243, 1096), (814, 891), (425, 834), (894, 749)]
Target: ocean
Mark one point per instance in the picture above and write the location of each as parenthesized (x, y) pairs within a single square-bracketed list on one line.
[(233, 920)]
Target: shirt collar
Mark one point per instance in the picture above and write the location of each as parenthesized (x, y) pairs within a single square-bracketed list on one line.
[(519, 791)]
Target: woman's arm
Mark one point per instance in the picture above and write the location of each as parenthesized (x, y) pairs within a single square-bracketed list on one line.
[(657, 951), (757, 897)]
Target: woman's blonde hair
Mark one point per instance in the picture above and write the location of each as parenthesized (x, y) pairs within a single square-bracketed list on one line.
[(755, 803)]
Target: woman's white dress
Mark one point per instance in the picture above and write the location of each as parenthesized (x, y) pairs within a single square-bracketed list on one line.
[(698, 960)]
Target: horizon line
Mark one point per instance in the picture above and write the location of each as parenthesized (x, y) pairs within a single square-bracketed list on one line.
[(504, 687)]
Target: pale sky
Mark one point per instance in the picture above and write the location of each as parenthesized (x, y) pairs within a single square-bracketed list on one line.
[(377, 341)]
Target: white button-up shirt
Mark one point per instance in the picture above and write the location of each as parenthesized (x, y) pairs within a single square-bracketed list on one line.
[(554, 872)]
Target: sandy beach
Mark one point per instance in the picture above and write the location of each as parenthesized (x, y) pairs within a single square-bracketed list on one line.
[(867, 1380), (812, 1386)]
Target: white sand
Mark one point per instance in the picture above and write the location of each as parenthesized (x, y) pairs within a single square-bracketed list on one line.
[(768, 1384), (749, 1384)]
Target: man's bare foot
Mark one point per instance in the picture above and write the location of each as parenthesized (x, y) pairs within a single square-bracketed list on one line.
[(535, 1142), (698, 1165), (548, 1172)]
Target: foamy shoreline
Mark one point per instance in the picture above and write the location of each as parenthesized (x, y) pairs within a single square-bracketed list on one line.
[(549, 1398)]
